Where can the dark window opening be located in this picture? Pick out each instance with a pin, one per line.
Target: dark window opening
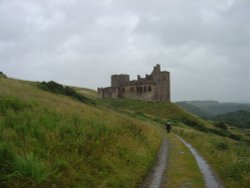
(141, 89)
(149, 88)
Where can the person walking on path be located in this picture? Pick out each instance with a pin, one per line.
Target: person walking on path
(168, 127)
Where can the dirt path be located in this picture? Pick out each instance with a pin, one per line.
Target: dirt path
(210, 179)
(156, 177)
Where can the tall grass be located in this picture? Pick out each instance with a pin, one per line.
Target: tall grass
(50, 140)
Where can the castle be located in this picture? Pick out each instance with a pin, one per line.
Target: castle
(154, 87)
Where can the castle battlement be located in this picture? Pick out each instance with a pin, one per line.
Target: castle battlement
(154, 87)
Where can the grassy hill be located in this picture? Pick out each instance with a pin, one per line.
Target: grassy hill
(52, 140)
(55, 136)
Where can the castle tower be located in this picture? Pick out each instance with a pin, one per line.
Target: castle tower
(119, 80)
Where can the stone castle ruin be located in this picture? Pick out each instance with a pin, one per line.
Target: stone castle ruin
(154, 87)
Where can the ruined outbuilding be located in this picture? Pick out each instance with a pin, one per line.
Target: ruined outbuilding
(154, 87)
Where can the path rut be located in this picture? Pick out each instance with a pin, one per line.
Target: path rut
(156, 177)
(208, 175)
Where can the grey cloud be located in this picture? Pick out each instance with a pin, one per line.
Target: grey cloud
(205, 44)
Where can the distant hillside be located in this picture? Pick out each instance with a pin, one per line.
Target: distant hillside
(210, 109)
(239, 119)
(195, 110)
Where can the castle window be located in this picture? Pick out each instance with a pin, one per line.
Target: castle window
(137, 89)
(132, 89)
(141, 89)
(123, 89)
(145, 88)
(149, 88)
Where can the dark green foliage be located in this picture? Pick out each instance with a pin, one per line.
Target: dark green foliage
(2, 75)
(195, 124)
(7, 159)
(12, 103)
(220, 125)
(65, 90)
(239, 119)
(222, 132)
(222, 146)
(29, 168)
(235, 136)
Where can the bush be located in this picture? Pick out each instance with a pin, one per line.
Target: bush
(68, 91)
(220, 125)
(222, 146)
(2, 75)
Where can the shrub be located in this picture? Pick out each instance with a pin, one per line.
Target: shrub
(68, 91)
(2, 75)
(222, 146)
(235, 137)
(220, 125)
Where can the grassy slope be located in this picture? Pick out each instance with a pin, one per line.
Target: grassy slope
(229, 158)
(69, 143)
(49, 140)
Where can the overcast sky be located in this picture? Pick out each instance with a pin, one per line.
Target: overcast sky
(204, 44)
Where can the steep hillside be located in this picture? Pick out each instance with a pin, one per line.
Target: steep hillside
(53, 140)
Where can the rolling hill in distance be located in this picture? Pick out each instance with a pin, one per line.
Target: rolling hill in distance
(235, 113)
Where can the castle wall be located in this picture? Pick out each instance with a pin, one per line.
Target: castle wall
(154, 87)
(140, 92)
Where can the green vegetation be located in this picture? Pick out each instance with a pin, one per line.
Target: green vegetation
(51, 140)
(239, 119)
(56, 136)
(180, 165)
(222, 148)
(213, 108)
(230, 159)
(68, 91)
(2, 75)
